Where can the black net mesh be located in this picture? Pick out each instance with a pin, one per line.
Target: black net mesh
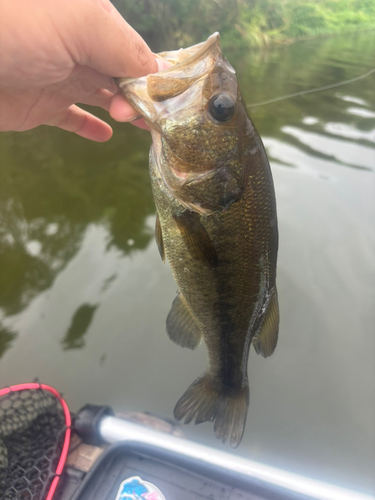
(32, 431)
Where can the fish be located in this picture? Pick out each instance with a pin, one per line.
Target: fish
(216, 225)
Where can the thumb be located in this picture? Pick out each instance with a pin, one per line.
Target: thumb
(97, 36)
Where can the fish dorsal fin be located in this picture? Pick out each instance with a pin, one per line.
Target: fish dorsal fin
(265, 341)
(196, 238)
(181, 325)
(160, 88)
(159, 238)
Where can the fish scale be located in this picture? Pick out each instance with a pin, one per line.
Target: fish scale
(216, 225)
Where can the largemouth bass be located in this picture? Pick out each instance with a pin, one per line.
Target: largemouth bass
(216, 224)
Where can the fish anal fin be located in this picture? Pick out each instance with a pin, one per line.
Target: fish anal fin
(159, 238)
(181, 325)
(196, 238)
(265, 341)
(204, 402)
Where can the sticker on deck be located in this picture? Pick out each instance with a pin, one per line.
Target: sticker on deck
(134, 488)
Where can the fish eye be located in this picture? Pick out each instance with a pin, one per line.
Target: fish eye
(222, 107)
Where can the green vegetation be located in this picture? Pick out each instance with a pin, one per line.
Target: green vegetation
(166, 24)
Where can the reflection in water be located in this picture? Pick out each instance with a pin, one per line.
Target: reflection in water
(6, 339)
(342, 152)
(361, 112)
(80, 323)
(108, 281)
(356, 100)
(76, 224)
(310, 120)
(348, 132)
(50, 193)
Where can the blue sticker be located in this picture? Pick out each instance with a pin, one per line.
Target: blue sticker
(134, 488)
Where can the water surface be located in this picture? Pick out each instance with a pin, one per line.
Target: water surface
(84, 295)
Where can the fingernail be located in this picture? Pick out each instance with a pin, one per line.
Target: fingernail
(133, 118)
(162, 63)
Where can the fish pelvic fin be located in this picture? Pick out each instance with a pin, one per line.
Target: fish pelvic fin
(181, 325)
(265, 340)
(204, 402)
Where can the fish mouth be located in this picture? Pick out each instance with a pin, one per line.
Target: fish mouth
(152, 95)
(178, 58)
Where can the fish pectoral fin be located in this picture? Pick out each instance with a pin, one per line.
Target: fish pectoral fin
(181, 325)
(196, 238)
(265, 341)
(159, 238)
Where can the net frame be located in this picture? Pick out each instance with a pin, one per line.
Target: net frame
(68, 424)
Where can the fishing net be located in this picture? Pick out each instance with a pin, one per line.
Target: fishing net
(34, 440)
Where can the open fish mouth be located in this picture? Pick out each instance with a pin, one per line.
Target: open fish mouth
(160, 95)
(180, 59)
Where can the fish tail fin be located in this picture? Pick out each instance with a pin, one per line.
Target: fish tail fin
(204, 402)
(231, 417)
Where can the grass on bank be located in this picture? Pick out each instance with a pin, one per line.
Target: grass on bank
(167, 24)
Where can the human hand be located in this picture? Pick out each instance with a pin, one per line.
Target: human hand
(57, 53)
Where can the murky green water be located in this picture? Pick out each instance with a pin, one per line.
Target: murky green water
(84, 295)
